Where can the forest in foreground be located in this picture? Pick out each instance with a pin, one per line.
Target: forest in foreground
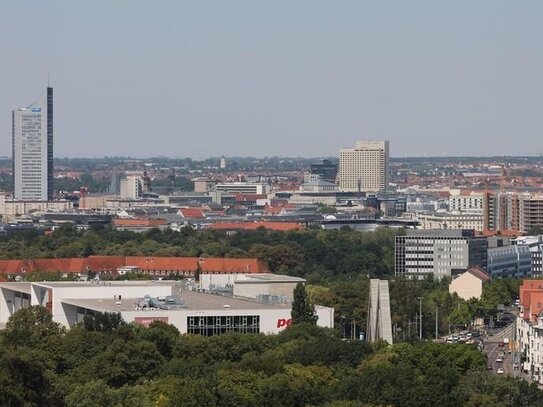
(105, 362)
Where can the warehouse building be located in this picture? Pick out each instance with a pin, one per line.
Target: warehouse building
(142, 302)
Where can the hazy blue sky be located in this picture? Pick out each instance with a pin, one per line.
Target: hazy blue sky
(205, 78)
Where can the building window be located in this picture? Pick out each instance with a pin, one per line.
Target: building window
(216, 325)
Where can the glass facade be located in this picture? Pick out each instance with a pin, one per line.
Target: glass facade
(216, 325)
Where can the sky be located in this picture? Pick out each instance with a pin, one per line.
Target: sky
(277, 78)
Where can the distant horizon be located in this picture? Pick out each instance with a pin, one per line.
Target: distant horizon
(7, 158)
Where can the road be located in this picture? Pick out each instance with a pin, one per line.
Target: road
(493, 350)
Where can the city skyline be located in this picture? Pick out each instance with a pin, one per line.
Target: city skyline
(271, 80)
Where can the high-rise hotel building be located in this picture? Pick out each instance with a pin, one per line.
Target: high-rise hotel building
(32, 138)
(364, 168)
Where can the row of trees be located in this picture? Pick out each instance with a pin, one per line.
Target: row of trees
(337, 264)
(105, 362)
(315, 254)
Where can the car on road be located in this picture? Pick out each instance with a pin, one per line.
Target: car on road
(500, 344)
(506, 341)
(500, 371)
(499, 359)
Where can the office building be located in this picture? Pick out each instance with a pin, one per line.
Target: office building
(32, 150)
(326, 170)
(513, 261)
(441, 253)
(242, 188)
(364, 168)
(535, 245)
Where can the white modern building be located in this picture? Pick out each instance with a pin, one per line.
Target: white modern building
(32, 150)
(142, 302)
(364, 168)
(243, 188)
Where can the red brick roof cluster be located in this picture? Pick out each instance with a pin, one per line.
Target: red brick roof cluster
(110, 264)
(531, 299)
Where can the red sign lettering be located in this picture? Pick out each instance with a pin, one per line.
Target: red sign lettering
(281, 323)
(146, 321)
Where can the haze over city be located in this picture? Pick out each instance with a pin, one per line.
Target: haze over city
(301, 78)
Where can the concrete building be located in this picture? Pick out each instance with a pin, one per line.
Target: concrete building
(203, 184)
(530, 208)
(131, 187)
(266, 287)
(441, 253)
(512, 211)
(11, 209)
(379, 319)
(470, 283)
(457, 220)
(142, 302)
(32, 150)
(513, 261)
(364, 168)
(243, 188)
(472, 203)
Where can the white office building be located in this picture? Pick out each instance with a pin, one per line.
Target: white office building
(32, 150)
(364, 168)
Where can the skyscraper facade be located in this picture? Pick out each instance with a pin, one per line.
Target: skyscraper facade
(364, 168)
(32, 150)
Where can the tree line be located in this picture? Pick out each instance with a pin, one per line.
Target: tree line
(106, 362)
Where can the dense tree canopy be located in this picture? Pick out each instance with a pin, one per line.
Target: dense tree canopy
(305, 366)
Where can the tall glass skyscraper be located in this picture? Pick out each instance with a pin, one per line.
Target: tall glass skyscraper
(32, 141)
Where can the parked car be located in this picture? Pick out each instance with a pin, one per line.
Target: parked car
(500, 371)
(499, 359)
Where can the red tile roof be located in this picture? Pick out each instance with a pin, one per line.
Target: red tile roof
(479, 273)
(140, 222)
(531, 298)
(147, 264)
(193, 213)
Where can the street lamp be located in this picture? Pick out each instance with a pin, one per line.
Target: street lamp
(420, 317)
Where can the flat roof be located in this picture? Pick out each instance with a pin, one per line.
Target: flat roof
(268, 277)
(101, 283)
(20, 287)
(193, 301)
